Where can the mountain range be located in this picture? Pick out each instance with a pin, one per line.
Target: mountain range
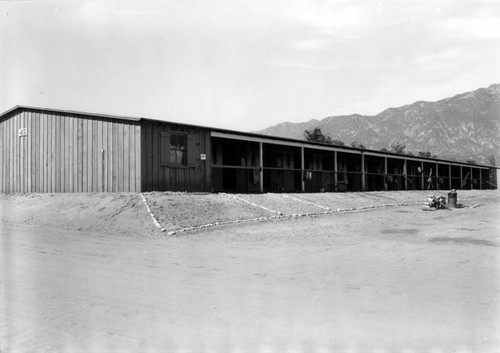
(465, 126)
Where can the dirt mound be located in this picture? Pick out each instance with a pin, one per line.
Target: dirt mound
(175, 210)
(125, 213)
(117, 213)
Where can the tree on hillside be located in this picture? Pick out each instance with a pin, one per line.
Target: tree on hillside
(424, 154)
(316, 135)
(357, 145)
(397, 147)
(492, 160)
(471, 160)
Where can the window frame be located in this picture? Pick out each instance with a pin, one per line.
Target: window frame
(183, 150)
(190, 158)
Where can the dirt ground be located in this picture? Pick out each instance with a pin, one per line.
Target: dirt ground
(91, 273)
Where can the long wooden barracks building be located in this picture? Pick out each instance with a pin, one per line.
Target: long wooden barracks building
(49, 150)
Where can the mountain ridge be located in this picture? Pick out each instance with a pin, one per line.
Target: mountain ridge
(464, 126)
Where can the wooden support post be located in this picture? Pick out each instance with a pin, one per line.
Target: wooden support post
(437, 176)
(385, 174)
(461, 179)
(405, 173)
(422, 175)
(261, 167)
(302, 167)
(449, 176)
(363, 174)
(480, 179)
(208, 163)
(335, 169)
(471, 178)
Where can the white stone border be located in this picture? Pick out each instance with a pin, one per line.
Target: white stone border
(155, 221)
(304, 201)
(251, 203)
(280, 216)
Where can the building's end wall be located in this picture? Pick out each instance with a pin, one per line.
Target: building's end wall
(68, 153)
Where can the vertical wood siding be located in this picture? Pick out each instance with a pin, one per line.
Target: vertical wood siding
(68, 153)
(195, 176)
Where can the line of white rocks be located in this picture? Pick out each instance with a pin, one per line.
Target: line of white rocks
(304, 201)
(250, 203)
(153, 217)
(281, 216)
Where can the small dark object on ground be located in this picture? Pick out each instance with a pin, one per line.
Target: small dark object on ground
(435, 203)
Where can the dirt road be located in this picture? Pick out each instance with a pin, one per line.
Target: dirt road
(393, 279)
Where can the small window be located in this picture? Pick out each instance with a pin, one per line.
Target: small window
(178, 149)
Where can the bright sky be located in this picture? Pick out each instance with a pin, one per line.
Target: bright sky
(244, 64)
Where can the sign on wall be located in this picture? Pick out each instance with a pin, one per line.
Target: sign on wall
(203, 157)
(23, 132)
